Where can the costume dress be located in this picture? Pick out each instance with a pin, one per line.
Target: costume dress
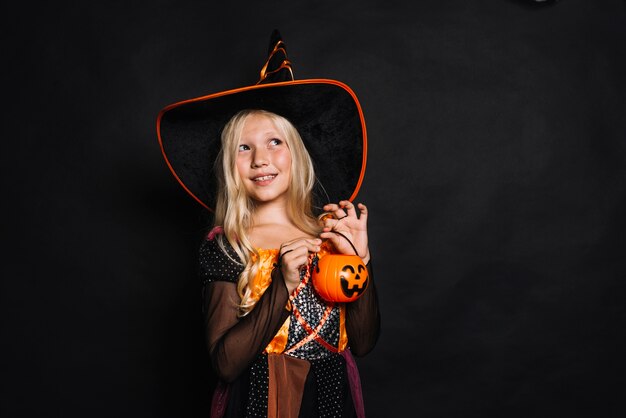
(291, 355)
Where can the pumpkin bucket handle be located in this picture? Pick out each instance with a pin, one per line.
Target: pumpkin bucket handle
(350, 242)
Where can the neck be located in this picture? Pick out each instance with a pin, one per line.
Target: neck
(271, 213)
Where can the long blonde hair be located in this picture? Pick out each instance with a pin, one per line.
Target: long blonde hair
(234, 208)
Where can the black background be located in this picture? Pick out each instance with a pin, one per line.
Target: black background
(496, 184)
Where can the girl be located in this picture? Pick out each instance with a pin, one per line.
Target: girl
(278, 348)
(256, 264)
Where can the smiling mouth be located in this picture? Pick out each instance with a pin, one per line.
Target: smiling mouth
(264, 178)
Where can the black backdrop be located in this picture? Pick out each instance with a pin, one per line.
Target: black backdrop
(496, 183)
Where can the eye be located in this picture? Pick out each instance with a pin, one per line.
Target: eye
(274, 142)
(243, 147)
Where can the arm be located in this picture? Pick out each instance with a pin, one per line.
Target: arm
(363, 319)
(235, 342)
(362, 315)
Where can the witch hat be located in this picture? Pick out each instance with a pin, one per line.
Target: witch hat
(326, 113)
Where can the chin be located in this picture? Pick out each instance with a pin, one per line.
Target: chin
(268, 197)
(265, 199)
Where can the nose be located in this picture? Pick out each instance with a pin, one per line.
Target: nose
(260, 158)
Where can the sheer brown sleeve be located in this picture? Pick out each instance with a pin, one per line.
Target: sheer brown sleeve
(235, 342)
(363, 319)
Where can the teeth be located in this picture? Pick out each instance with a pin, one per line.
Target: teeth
(264, 178)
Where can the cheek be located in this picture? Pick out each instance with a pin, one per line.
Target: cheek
(282, 160)
(242, 165)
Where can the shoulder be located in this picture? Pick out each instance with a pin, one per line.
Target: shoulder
(218, 260)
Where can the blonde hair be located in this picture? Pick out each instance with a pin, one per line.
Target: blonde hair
(234, 208)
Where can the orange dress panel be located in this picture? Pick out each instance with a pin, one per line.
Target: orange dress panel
(263, 278)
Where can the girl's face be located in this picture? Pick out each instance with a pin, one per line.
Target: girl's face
(263, 160)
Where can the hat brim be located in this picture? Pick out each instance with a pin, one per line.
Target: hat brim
(326, 113)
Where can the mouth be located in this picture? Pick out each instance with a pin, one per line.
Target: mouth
(264, 178)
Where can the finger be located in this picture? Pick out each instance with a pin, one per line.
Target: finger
(289, 243)
(340, 213)
(294, 258)
(303, 247)
(295, 261)
(325, 216)
(329, 235)
(310, 246)
(364, 211)
(336, 210)
(284, 253)
(331, 207)
(330, 223)
(298, 242)
(288, 256)
(348, 207)
(284, 249)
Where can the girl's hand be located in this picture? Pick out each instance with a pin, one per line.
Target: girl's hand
(347, 222)
(293, 256)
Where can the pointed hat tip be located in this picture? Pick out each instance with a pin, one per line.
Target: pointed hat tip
(274, 39)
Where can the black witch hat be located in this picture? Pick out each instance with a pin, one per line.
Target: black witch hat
(326, 113)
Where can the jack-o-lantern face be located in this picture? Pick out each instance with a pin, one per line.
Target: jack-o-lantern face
(340, 278)
(353, 281)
